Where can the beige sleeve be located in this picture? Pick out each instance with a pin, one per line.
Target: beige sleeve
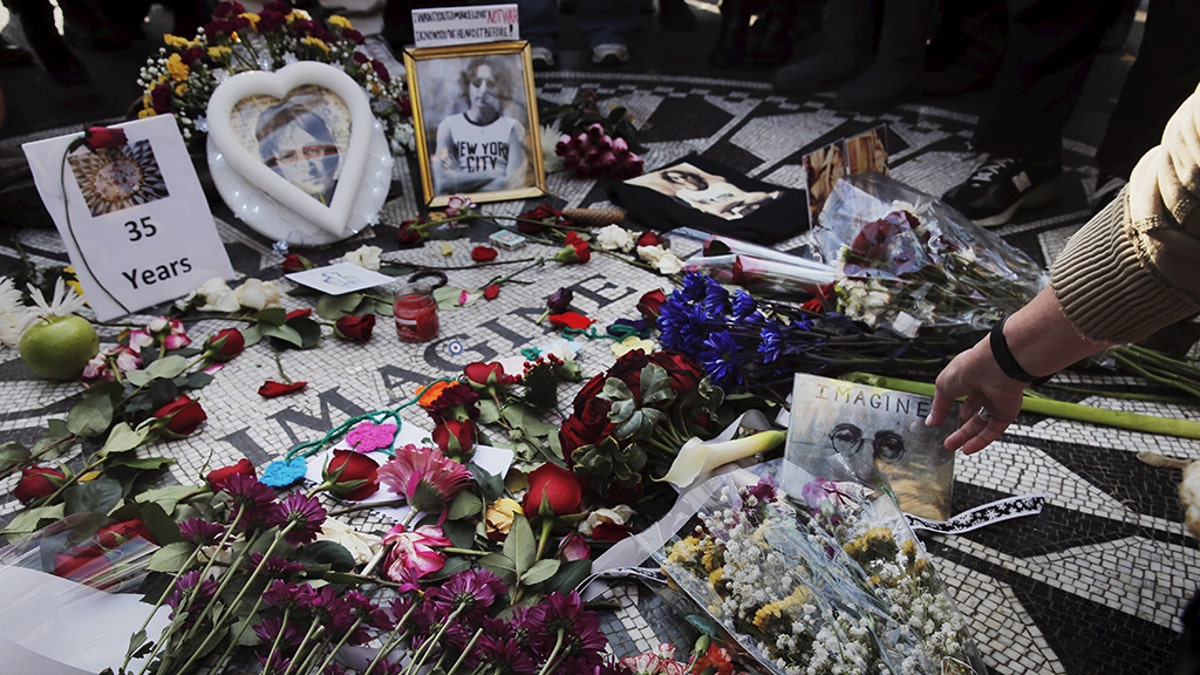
(1135, 267)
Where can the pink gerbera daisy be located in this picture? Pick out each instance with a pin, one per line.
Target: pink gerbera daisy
(424, 476)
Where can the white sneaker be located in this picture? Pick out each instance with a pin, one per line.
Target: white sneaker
(610, 54)
(542, 58)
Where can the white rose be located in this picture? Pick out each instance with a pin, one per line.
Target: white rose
(617, 515)
(369, 257)
(255, 294)
(615, 238)
(217, 295)
(663, 260)
(360, 545)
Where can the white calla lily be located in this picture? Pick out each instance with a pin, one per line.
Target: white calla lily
(696, 458)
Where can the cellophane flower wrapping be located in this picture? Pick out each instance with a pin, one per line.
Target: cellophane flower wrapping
(824, 578)
(905, 259)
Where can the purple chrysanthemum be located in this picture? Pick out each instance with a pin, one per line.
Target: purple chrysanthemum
(251, 500)
(289, 635)
(197, 593)
(559, 614)
(276, 567)
(201, 532)
(301, 516)
(505, 655)
(334, 613)
(370, 612)
(473, 590)
(274, 663)
(288, 596)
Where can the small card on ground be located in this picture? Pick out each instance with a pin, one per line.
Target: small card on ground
(340, 278)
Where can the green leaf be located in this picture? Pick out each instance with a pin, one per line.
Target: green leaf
(332, 307)
(140, 463)
(161, 526)
(122, 439)
(171, 558)
(166, 497)
(500, 565)
(541, 571)
(271, 316)
(541, 387)
(569, 575)
(520, 545)
(491, 485)
(282, 332)
(489, 412)
(454, 565)
(308, 330)
(97, 496)
(382, 308)
(447, 296)
(656, 386)
(160, 392)
(328, 553)
(466, 504)
(197, 380)
(252, 335)
(57, 428)
(460, 532)
(167, 367)
(90, 417)
(616, 390)
(32, 520)
(12, 455)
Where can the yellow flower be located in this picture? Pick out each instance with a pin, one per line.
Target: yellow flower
(219, 52)
(181, 89)
(715, 577)
(176, 41)
(298, 14)
(339, 21)
(252, 18)
(146, 112)
(499, 516)
(315, 42)
(72, 279)
(177, 68)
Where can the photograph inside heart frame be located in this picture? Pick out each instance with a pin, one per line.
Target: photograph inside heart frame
(303, 137)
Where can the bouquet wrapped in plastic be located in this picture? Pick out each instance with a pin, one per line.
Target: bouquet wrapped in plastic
(825, 577)
(907, 260)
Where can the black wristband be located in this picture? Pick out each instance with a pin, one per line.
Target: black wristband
(1005, 359)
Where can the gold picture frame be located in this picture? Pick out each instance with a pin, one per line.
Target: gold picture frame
(475, 115)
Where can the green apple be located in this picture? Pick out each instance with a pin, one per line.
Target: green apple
(58, 347)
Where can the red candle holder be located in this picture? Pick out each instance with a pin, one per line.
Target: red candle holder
(416, 313)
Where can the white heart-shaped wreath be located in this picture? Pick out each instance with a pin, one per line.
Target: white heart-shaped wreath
(365, 161)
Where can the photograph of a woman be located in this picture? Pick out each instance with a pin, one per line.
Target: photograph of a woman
(476, 121)
(706, 192)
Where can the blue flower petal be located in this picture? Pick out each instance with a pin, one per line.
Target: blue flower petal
(284, 472)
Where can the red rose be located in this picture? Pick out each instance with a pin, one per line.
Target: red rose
(355, 328)
(650, 303)
(297, 314)
(482, 375)
(408, 235)
(610, 532)
(271, 388)
(180, 418)
(37, 482)
(685, 373)
(354, 475)
(160, 98)
(491, 292)
(649, 238)
(543, 214)
(590, 390)
(226, 344)
(295, 263)
(628, 369)
(99, 138)
(455, 438)
(483, 253)
(574, 433)
(87, 561)
(217, 478)
(553, 491)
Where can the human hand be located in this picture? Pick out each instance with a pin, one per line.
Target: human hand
(991, 399)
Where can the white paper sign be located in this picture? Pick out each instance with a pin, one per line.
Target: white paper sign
(135, 220)
(340, 278)
(465, 25)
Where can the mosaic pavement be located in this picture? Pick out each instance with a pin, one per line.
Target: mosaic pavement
(1094, 583)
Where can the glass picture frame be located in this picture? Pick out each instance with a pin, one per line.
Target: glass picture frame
(475, 115)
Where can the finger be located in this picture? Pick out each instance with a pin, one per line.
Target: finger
(988, 434)
(940, 410)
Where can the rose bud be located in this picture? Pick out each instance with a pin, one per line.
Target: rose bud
(483, 253)
(180, 418)
(574, 547)
(491, 292)
(553, 491)
(296, 263)
(226, 344)
(37, 482)
(355, 328)
(650, 303)
(99, 138)
(559, 300)
(217, 478)
(649, 238)
(455, 438)
(298, 314)
(351, 475)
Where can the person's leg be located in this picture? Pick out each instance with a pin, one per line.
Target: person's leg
(967, 49)
(897, 69)
(849, 26)
(1165, 73)
(607, 25)
(771, 35)
(37, 22)
(539, 25)
(1051, 46)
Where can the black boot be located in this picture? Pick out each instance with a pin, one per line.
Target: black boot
(848, 28)
(730, 49)
(771, 45)
(896, 73)
(37, 22)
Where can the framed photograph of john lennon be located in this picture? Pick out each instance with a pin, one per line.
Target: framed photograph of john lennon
(475, 114)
